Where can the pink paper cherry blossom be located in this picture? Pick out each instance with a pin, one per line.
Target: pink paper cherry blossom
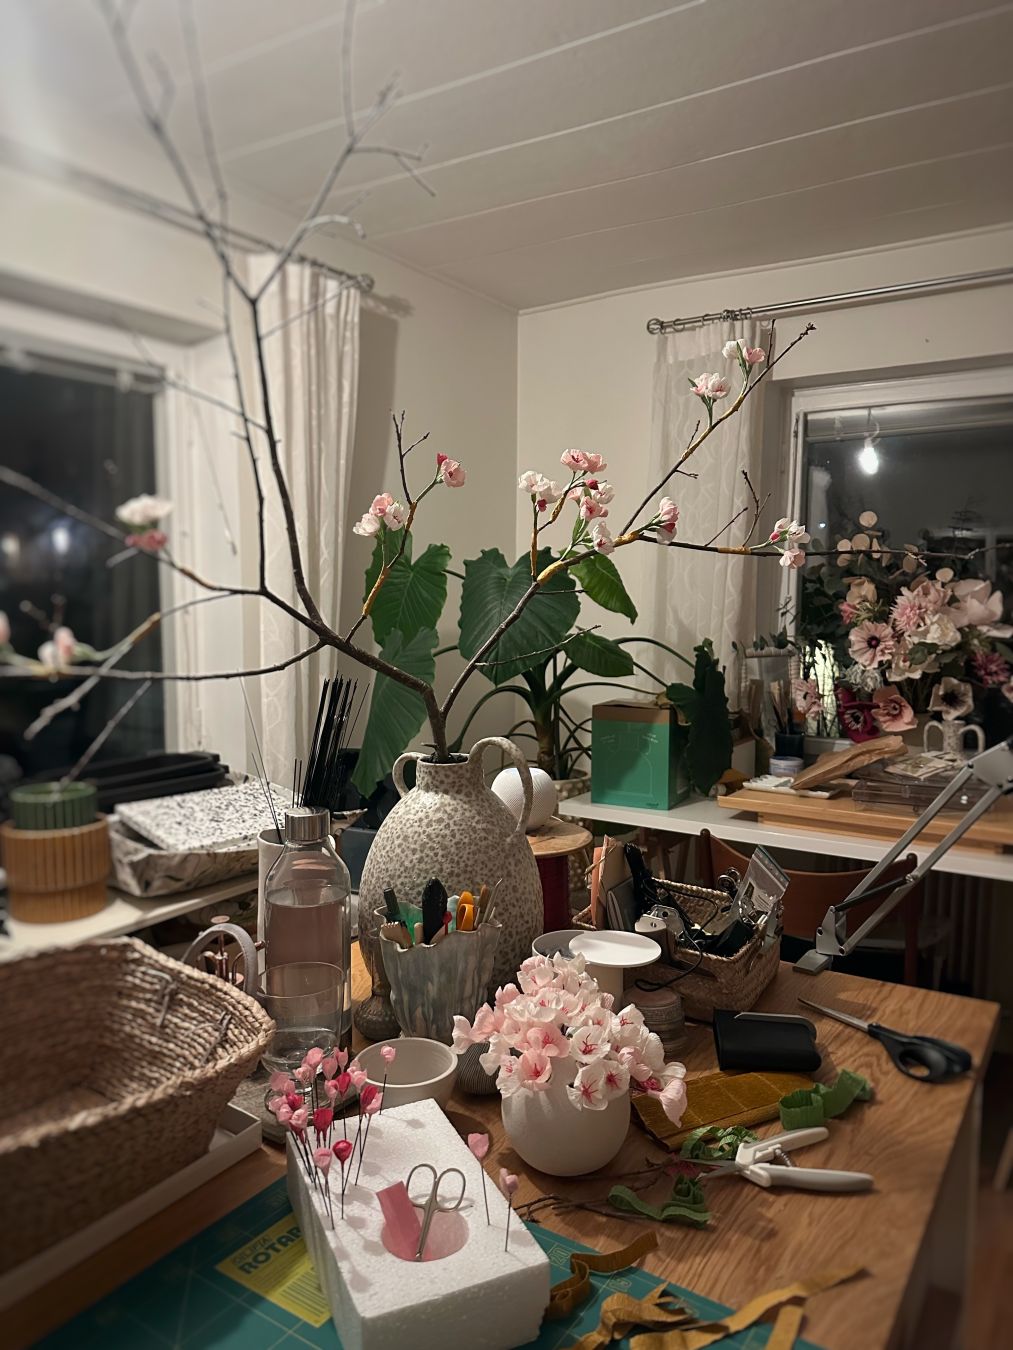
(342, 1150)
(281, 1082)
(374, 1105)
(323, 1158)
(304, 1074)
(508, 1182)
(388, 1054)
(329, 1066)
(313, 1058)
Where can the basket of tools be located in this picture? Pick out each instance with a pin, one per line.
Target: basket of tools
(118, 1062)
(706, 980)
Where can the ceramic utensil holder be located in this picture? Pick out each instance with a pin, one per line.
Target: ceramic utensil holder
(429, 983)
(56, 875)
(476, 1294)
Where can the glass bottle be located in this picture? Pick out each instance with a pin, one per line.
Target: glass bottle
(308, 906)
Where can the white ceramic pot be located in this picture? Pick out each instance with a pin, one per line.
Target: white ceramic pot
(554, 1136)
(451, 826)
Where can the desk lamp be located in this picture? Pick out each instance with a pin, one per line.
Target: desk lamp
(992, 767)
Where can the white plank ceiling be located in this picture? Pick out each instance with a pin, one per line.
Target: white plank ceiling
(578, 146)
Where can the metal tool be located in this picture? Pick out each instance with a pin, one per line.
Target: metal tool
(992, 767)
(765, 1163)
(923, 1057)
(433, 1204)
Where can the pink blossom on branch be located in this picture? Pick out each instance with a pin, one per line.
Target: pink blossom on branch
(367, 525)
(582, 461)
(737, 349)
(450, 471)
(668, 518)
(601, 537)
(792, 557)
(711, 386)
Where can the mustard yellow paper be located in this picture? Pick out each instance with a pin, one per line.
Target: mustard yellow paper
(276, 1266)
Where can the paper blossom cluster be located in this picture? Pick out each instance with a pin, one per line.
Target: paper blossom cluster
(144, 514)
(912, 638)
(556, 1020)
(386, 512)
(305, 1104)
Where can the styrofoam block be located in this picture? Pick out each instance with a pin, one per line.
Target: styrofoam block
(480, 1296)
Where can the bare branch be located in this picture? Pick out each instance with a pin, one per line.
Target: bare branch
(169, 676)
(104, 734)
(544, 651)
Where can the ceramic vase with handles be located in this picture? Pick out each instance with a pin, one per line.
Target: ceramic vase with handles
(451, 826)
(556, 1137)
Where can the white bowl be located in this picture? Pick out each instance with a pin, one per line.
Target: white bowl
(421, 1069)
(559, 941)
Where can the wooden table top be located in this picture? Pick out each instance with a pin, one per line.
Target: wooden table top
(757, 1240)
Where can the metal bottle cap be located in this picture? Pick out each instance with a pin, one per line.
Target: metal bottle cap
(307, 825)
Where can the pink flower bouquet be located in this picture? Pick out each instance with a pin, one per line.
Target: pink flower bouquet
(555, 1020)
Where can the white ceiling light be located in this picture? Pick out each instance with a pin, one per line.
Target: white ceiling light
(868, 458)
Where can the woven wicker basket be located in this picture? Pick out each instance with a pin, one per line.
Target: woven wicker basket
(118, 1063)
(733, 982)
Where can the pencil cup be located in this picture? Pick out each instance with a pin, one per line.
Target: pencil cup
(431, 984)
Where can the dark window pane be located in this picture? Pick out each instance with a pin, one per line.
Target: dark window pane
(93, 444)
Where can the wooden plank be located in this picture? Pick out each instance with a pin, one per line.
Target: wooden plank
(757, 1240)
(842, 815)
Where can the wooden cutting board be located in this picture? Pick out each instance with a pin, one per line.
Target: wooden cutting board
(993, 833)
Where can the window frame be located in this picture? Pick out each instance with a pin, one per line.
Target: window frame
(993, 382)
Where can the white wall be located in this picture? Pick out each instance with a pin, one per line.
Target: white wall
(446, 356)
(585, 369)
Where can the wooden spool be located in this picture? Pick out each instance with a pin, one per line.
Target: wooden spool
(56, 875)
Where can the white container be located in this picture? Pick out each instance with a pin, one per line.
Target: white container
(554, 1136)
(477, 1295)
(422, 1069)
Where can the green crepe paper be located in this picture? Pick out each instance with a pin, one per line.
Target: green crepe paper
(813, 1106)
(711, 1144)
(686, 1204)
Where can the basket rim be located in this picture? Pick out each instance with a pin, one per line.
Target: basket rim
(33, 1135)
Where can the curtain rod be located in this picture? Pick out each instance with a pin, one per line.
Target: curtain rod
(907, 288)
(58, 171)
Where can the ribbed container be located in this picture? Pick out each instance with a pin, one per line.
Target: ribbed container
(56, 875)
(50, 806)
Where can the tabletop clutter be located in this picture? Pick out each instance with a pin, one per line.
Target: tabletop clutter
(402, 1214)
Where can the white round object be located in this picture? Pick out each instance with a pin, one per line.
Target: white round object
(610, 952)
(421, 1069)
(544, 797)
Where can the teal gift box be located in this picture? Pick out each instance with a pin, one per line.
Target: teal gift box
(637, 755)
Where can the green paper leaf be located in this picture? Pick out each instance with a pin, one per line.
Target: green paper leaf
(395, 712)
(599, 656)
(491, 590)
(413, 596)
(599, 577)
(686, 1204)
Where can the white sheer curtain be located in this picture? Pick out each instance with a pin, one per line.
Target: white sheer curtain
(311, 327)
(701, 595)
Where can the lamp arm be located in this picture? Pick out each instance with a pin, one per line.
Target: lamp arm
(994, 767)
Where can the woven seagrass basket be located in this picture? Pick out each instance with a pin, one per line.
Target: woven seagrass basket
(708, 982)
(117, 1063)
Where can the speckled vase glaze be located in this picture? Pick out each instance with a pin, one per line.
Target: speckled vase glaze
(451, 826)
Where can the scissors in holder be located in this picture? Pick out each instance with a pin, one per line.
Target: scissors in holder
(926, 1058)
(433, 1204)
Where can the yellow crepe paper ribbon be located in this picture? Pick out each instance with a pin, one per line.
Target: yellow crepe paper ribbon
(671, 1327)
(571, 1292)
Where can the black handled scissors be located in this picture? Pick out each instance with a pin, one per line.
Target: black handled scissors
(924, 1057)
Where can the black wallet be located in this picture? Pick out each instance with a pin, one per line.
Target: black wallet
(757, 1041)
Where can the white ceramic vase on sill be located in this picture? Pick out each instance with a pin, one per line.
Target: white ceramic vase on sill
(554, 1136)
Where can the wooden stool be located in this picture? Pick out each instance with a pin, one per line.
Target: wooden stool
(552, 846)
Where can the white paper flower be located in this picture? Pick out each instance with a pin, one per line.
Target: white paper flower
(143, 512)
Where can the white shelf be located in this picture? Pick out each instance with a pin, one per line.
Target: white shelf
(123, 914)
(740, 828)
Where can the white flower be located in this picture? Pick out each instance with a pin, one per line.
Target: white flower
(952, 698)
(589, 1043)
(940, 631)
(616, 1078)
(601, 536)
(589, 1091)
(979, 606)
(143, 512)
(733, 349)
(527, 481)
(367, 525)
(60, 650)
(395, 516)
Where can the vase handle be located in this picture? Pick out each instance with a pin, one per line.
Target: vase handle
(397, 772)
(520, 764)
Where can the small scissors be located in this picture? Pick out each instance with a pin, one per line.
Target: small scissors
(923, 1057)
(433, 1204)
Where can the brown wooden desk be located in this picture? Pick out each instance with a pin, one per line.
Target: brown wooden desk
(913, 1234)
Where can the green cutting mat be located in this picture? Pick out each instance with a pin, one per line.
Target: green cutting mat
(184, 1301)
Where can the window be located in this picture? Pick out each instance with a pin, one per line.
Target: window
(937, 474)
(86, 433)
